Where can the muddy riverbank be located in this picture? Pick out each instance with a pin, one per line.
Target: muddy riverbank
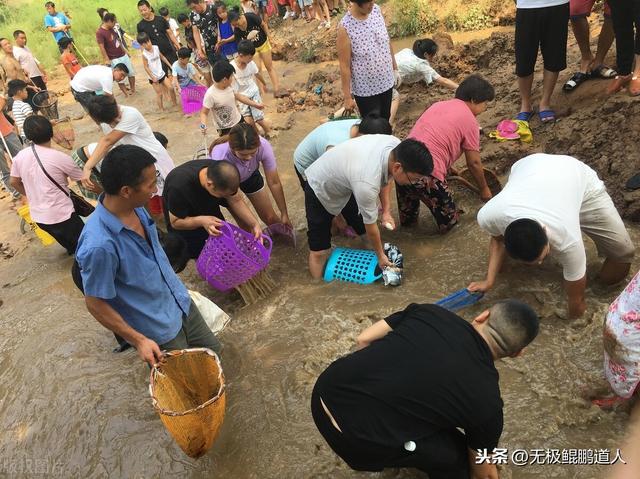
(67, 401)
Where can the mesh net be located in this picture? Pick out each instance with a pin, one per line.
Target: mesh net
(188, 392)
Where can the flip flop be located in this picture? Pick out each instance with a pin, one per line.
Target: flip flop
(547, 116)
(524, 115)
(633, 183)
(603, 71)
(575, 81)
(459, 300)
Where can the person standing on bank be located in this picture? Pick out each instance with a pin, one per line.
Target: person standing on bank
(129, 284)
(50, 206)
(204, 20)
(417, 378)
(160, 34)
(28, 62)
(538, 213)
(56, 22)
(113, 50)
(544, 25)
(368, 69)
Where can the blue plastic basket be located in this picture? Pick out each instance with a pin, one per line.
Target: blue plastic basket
(352, 265)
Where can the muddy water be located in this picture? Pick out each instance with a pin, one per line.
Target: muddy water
(71, 408)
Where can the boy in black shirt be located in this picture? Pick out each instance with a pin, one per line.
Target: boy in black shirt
(420, 374)
(160, 34)
(192, 196)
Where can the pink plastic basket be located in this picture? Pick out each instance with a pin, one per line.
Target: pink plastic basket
(192, 97)
(232, 258)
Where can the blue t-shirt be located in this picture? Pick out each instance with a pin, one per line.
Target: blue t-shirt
(55, 21)
(132, 274)
(226, 31)
(316, 143)
(184, 75)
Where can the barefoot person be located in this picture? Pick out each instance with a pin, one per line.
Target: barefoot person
(348, 179)
(248, 151)
(129, 284)
(193, 195)
(544, 25)
(420, 376)
(448, 128)
(590, 66)
(549, 201)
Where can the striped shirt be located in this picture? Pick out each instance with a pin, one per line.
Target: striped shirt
(21, 111)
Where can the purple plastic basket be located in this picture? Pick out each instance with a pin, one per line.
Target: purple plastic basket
(192, 97)
(232, 258)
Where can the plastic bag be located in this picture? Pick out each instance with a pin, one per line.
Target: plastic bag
(215, 318)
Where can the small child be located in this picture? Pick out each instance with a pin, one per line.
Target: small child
(227, 38)
(413, 67)
(68, 57)
(152, 60)
(173, 25)
(17, 89)
(184, 73)
(201, 64)
(221, 98)
(245, 83)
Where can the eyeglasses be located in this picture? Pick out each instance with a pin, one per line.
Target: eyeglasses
(417, 182)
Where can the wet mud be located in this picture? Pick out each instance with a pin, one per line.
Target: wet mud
(83, 411)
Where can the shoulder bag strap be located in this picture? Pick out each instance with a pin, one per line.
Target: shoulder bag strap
(33, 148)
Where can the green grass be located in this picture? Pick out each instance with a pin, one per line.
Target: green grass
(28, 15)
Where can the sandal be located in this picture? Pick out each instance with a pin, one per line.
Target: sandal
(575, 81)
(603, 71)
(524, 116)
(547, 116)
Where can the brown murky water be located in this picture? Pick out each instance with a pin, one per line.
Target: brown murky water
(71, 408)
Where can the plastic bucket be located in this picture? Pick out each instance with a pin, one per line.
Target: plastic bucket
(352, 265)
(192, 97)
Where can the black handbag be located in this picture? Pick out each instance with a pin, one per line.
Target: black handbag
(80, 205)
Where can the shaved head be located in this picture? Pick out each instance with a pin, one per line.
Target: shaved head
(224, 175)
(511, 326)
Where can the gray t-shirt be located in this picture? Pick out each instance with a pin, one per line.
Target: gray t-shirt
(359, 167)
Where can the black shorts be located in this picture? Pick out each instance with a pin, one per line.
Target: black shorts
(544, 28)
(319, 220)
(171, 57)
(225, 131)
(151, 82)
(253, 184)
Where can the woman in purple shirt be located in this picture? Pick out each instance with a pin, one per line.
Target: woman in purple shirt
(368, 68)
(246, 149)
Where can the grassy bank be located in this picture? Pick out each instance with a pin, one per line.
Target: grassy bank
(28, 15)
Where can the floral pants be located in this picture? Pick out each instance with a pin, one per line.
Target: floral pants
(435, 195)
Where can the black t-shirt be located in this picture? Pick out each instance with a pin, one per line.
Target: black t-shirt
(184, 196)
(207, 23)
(254, 22)
(157, 31)
(432, 372)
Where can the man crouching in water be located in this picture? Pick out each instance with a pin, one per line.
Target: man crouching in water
(421, 375)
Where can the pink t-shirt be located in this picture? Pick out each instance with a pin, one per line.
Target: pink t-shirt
(47, 204)
(448, 128)
(264, 155)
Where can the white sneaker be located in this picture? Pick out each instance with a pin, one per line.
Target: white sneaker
(286, 15)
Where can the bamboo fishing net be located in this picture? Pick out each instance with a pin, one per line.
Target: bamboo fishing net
(63, 133)
(188, 392)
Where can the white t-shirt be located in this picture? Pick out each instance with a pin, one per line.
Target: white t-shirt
(549, 189)
(139, 133)
(244, 80)
(413, 69)
(360, 167)
(154, 61)
(175, 28)
(27, 61)
(539, 3)
(95, 78)
(222, 104)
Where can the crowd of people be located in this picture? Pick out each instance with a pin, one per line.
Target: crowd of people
(368, 405)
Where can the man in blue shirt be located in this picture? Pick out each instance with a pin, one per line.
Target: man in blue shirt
(56, 22)
(129, 285)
